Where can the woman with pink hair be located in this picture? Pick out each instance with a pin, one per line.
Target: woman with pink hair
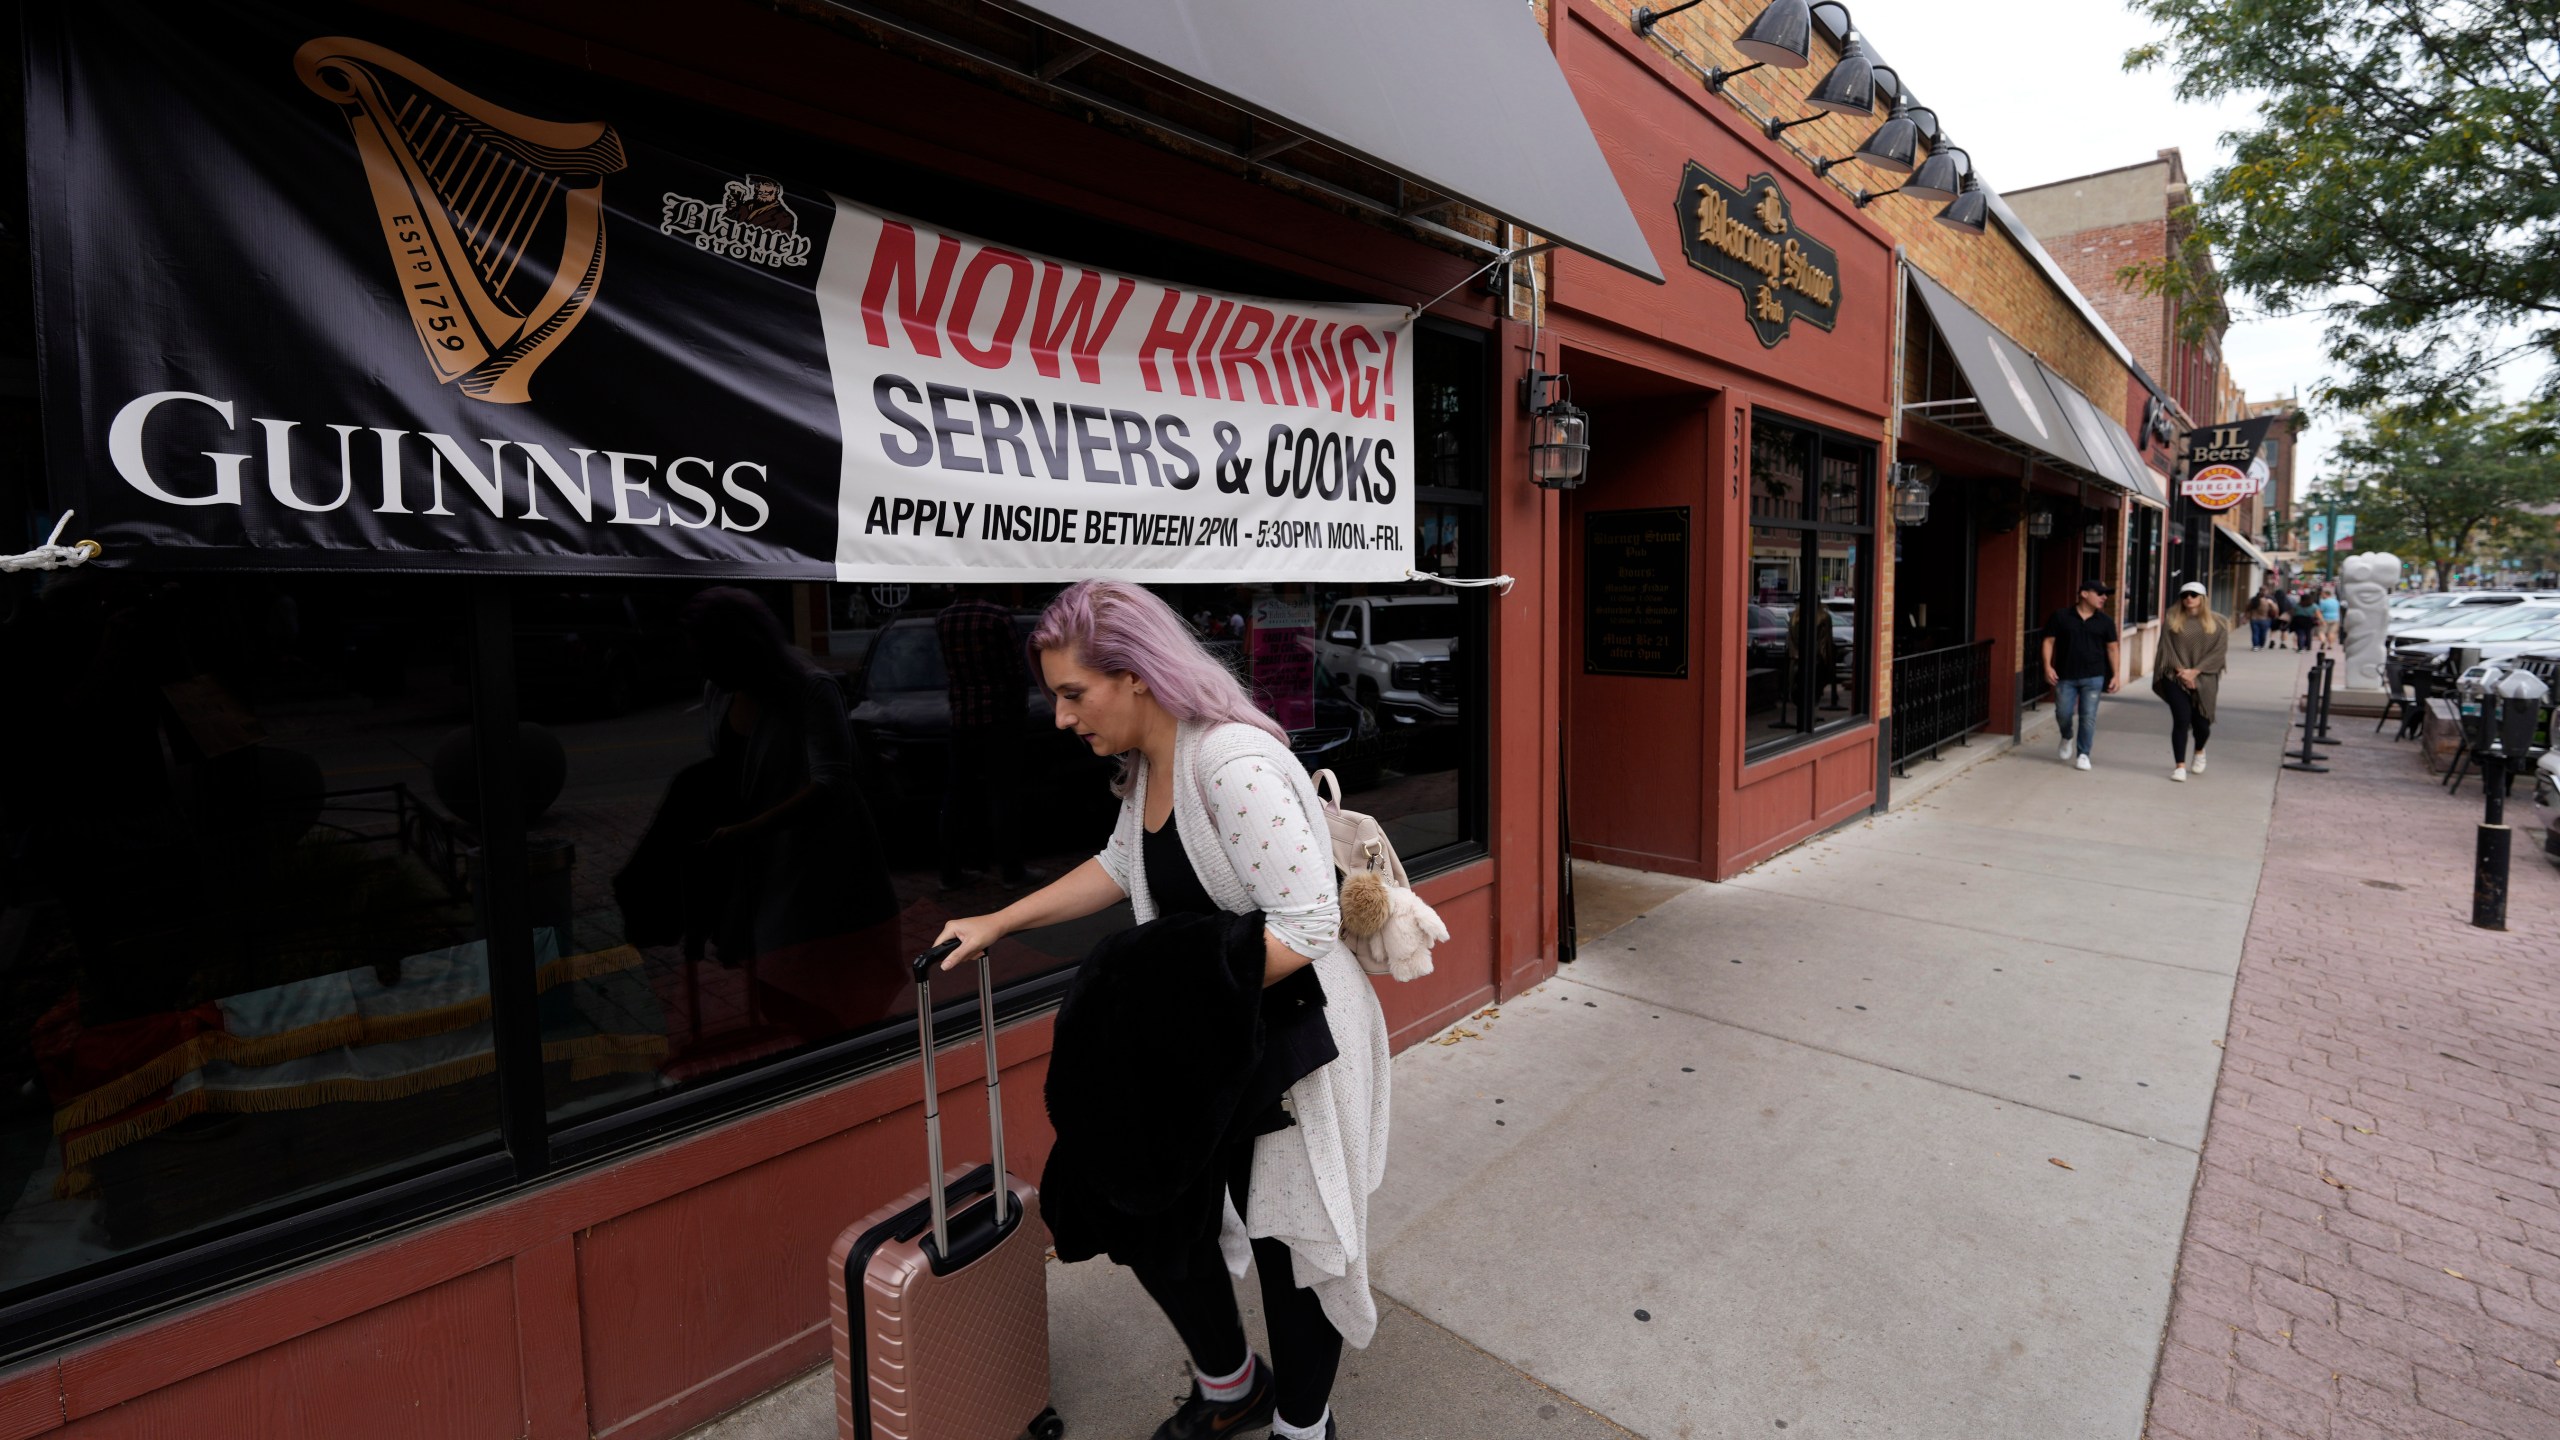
(1217, 816)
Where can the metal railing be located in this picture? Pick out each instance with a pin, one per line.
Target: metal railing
(1939, 698)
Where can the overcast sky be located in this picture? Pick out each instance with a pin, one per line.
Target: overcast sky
(2038, 92)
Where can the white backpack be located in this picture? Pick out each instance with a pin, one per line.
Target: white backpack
(1400, 944)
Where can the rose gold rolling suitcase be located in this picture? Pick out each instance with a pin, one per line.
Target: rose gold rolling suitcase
(940, 1301)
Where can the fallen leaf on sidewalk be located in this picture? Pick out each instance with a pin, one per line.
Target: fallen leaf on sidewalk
(1456, 1035)
(2328, 1179)
(2456, 1274)
(1490, 1012)
(2065, 1164)
(2361, 1130)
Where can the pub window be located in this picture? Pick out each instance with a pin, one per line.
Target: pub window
(2142, 567)
(1805, 606)
(238, 911)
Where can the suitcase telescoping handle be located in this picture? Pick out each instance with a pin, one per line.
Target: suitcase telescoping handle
(924, 968)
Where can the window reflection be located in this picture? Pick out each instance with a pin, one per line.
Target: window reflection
(236, 905)
(1781, 462)
(1805, 604)
(1774, 593)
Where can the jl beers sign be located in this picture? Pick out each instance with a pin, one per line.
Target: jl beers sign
(1747, 238)
(2217, 463)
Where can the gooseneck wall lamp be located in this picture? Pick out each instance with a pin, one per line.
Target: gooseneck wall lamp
(1895, 144)
(1939, 178)
(1781, 37)
(1850, 89)
(2040, 523)
(1559, 431)
(1971, 210)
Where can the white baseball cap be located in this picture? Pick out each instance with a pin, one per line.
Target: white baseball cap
(2192, 587)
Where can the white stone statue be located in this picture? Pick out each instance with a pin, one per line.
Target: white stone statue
(2364, 613)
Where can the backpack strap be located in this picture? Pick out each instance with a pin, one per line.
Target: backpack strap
(1326, 779)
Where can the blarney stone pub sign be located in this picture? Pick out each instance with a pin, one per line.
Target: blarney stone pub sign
(1747, 238)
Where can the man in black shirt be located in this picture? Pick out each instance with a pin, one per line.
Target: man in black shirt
(2081, 657)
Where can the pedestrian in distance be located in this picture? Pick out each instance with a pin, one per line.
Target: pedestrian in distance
(2262, 612)
(2328, 617)
(2082, 656)
(2305, 618)
(1219, 819)
(2187, 673)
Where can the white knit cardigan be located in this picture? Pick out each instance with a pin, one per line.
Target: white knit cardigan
(1311, 1183)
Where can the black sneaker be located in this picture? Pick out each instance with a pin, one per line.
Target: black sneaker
(1201, 1418)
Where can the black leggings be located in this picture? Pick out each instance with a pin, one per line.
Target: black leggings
(1201, 1303)
(2183, 715)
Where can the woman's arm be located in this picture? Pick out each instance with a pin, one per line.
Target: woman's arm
(1269, 838)
(1080, 892)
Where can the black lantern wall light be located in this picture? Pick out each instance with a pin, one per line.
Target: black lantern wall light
(1781, 37)
(1559, 431)
(1912, 485)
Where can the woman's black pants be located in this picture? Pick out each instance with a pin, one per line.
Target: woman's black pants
(1201, 1303)
(2184, 714)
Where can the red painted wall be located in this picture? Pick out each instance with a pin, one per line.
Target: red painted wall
(1637, 780)
(1691, 334)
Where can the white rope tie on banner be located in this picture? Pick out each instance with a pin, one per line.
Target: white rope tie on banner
(1501, 583)
(52, 555)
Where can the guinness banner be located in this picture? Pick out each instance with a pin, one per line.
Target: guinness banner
(327, 293)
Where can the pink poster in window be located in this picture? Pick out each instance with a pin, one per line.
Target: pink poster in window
(1284, 661)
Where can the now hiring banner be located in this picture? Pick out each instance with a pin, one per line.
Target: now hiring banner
(320, 291)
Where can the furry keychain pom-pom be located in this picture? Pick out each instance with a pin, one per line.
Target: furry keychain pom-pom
(1364, 904)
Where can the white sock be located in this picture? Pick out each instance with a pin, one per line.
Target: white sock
(1229, 1389)
(1283, 1430)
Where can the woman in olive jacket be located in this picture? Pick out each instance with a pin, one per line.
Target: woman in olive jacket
(2187, 672)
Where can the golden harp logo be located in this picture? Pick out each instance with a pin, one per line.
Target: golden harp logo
(494, 220)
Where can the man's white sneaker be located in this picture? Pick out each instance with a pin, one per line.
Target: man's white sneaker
(2198, 765)
(2179, 774)
(2065, 752)
(2080, 764)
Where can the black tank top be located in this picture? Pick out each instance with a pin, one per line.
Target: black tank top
(1296, 1040)
(1170, 878)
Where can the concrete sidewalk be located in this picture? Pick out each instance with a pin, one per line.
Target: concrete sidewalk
(1892, 1136)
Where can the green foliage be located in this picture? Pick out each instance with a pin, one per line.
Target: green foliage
(2402, 178)
(2435, 485)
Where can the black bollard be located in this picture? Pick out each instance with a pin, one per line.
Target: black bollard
(2328, 677)
(2489, 855)
(2309, 759)
(2507, 725)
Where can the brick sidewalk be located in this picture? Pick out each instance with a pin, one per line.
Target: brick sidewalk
(2374, 1248)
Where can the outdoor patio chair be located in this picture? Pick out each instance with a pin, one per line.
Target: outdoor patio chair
(2395, 678)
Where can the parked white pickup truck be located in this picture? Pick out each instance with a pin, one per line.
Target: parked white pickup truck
(1393, 650)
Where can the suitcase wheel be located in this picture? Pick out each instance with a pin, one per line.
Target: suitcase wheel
(1046, 1426)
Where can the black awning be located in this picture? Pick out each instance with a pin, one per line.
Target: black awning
(2104, 440)
(2018, 404)
(1461, 96)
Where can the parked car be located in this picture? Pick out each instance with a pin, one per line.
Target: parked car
(1394, 651)
(901, 714)
(2529, 636)
(2468, 621)
(2416, 611)
(1344, 738)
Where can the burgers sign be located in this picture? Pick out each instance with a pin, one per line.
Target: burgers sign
(2219, 487)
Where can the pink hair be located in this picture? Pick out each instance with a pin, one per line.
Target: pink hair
(1120, 628)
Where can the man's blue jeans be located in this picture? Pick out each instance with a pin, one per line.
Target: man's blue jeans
(2257, 634)
(2075, 707)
